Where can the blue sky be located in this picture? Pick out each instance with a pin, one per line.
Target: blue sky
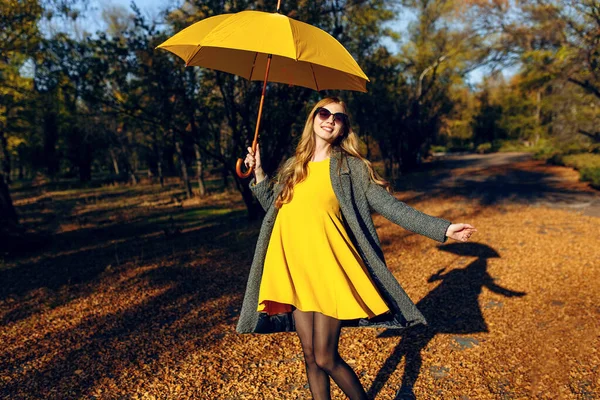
(149, 8)
(144, 5)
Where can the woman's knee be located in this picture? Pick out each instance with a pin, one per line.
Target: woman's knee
(309, 355)
(326, 360)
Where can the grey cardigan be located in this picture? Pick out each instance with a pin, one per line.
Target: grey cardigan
(357, 195)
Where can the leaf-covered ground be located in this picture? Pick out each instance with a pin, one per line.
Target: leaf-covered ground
(136, 295)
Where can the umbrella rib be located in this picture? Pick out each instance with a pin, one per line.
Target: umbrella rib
(294, 38)
(193, 55)
(253, 65)
(314, 76)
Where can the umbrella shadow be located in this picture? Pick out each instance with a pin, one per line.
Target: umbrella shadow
(452, 307)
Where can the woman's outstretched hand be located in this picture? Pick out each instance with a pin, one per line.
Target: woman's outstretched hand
(460, 232)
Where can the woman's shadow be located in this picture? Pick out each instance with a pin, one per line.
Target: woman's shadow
(452, 307)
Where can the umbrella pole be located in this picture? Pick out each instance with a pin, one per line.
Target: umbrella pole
(238, 165)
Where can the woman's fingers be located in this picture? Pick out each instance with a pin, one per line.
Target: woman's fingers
(250, 161)
(257, 153)
(463, 232)
(253, 157)
(467, 234)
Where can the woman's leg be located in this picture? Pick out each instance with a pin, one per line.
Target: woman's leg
(325, 341)
(318, 380)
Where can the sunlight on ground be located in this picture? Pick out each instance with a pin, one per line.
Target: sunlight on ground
(138, 294)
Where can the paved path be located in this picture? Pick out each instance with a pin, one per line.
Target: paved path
(502, 178)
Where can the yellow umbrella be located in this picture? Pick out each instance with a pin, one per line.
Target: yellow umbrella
(269, 46)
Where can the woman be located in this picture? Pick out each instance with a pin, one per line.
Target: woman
(318, 263)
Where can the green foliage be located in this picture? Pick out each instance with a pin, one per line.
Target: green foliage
(413, 97)
(556, 159)
(592, 175)
(484, 148)
(111, 105)
(19, 33)
(544, 150)
(561, 43)
(582, 161)
(487, 123)
(588, 164)
(557, 91)
(515, 146)
(507, 114)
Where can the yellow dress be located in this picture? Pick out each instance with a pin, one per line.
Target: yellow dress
(311, 263)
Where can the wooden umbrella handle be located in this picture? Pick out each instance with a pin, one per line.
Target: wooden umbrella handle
(238, 165)
(240, 162)
(238, 169)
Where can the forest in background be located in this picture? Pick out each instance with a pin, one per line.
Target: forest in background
(95, 108)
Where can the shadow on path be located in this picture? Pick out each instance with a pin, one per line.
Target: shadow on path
(192, 273)
(452, 307)
(72, 263)
(103, 348)
(499, 178)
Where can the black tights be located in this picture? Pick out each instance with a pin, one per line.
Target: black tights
(319, 335)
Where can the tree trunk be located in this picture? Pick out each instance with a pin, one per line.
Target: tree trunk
(538, 117)
(199, 171)
(168, 158)
(225, 177)
(255, 210)
(160, 174)
(50, 138)
(129, 169)
(132, 177)
(409, 158)
(8, 215)
(130, 159)
(85, 163)
(5, 156)
(129, 166)
(184, 174)
(158, 155)
(388, 168)
(115, 161)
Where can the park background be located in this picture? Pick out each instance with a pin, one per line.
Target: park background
(126, 237)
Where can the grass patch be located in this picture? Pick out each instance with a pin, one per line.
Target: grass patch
(582, 161)
(591, 175)
(512, 146)
(588, 165)
(192, 215)
(195, 215)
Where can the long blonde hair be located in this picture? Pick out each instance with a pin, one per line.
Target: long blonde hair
(295, 169)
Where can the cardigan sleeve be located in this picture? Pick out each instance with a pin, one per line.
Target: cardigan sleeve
(266, 190)
(400, 213)
(263, 191)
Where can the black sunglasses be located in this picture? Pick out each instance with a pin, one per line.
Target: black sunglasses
(338, 118)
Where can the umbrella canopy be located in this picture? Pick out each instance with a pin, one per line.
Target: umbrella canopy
(240, 43)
